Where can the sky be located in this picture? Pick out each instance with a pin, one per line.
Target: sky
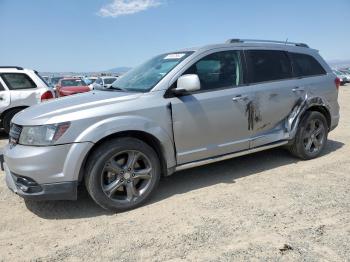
(97, 35)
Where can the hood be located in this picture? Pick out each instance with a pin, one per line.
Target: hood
(73, 107)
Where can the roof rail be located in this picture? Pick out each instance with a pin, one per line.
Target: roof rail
(16, 67)
(236, 40)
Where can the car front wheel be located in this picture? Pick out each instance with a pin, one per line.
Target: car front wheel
(122, 174)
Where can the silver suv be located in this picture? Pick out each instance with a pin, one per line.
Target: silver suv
(176, 111)
(20, 88)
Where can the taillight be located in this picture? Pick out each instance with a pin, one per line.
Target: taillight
(337, 82)
(46, 96)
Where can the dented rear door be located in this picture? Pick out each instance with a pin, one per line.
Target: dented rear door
(276, 93)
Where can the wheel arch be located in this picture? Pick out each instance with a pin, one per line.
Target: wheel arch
(324, 111)
(146, 137)
(303, 105)
(10, 109)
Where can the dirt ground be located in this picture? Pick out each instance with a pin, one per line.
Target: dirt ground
(266, 206)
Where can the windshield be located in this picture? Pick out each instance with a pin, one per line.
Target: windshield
(89, 81)
(55, 80)
(144, 77)
(73, 82)
(109, 81)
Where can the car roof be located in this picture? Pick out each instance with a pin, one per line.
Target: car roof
(14, 69)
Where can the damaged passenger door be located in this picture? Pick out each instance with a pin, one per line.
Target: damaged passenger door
(212, 121)
(275, 95)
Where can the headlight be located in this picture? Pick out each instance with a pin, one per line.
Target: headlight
(42, 135)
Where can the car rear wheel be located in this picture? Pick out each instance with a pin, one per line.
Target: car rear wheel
(311, 137)
(122, 174)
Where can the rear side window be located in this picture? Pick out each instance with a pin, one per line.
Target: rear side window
(219, 70)
(17, 81)
(268, 65)
(306, 65)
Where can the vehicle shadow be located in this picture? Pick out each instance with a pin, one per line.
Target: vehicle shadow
(180, 183)
(3, 135)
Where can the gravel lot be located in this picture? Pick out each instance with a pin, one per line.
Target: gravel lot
(266, 206)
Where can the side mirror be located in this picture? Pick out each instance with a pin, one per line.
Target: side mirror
(187, 84)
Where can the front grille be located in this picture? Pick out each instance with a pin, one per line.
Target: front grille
(15, 133)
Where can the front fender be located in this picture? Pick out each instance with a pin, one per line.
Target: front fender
(110, 126)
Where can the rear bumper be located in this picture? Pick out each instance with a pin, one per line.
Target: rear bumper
(29, 189)
(335, 122)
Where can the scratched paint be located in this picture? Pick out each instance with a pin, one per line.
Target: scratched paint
(292, 120)
(253, 113)
(301, 106)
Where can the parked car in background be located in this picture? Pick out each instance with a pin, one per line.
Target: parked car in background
(176, 111)
(341, 76)
(104, 82)
(47, 79)
(71, 86)
(20, 88)
(90, 81)
(346, 73)
(54, 81)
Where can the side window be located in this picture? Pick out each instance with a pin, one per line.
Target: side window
(306, 65)
(99, 81)
(17, 81)
(218, 70)
(268, 65)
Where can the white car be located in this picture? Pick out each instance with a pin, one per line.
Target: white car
(90, 81)
(20, 88)
(104, 82)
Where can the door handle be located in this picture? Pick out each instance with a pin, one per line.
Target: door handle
(298, 89)
(239, 98)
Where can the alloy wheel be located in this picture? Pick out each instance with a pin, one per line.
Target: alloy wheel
(126, 176)
(314, 136)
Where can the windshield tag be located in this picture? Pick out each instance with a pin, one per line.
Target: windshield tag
(174, 56)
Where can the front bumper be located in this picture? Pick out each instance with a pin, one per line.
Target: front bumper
(45, 173)
(29, 189)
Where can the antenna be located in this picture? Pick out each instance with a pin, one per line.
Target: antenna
(286, 41)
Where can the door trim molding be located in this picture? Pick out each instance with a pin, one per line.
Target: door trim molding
(229, 156)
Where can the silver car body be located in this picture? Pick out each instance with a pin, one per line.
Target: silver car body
(190, 130)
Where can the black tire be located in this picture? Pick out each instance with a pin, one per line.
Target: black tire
(105, 164)
(309, 142)
(6, 121)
